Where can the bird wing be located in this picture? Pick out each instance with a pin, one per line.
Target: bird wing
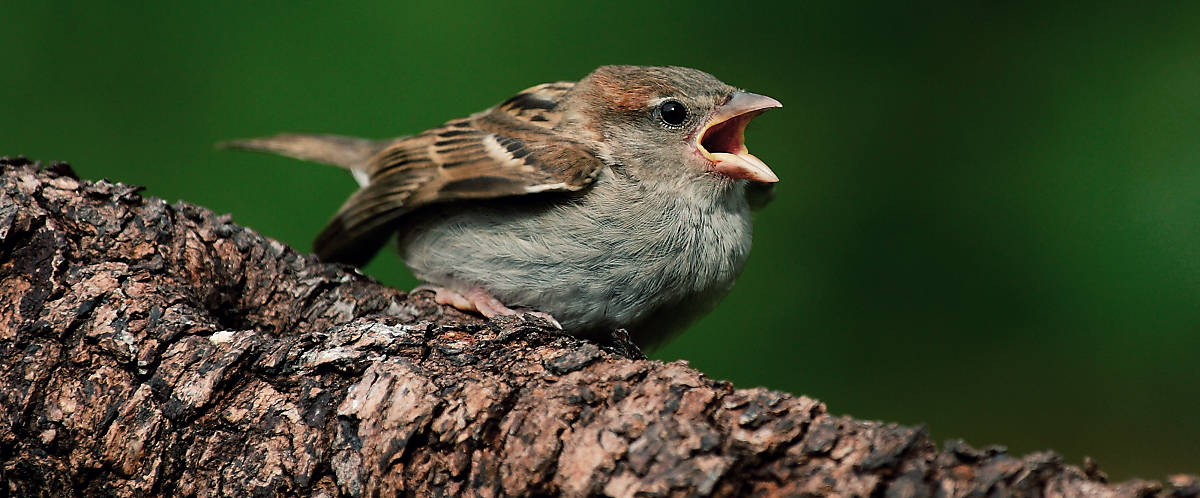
(510, 149)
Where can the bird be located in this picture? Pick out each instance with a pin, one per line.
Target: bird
(621, 200)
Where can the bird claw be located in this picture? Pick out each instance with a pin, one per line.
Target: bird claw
(479, 301)
(547, 317)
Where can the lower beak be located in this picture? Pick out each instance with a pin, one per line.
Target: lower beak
(722, 140)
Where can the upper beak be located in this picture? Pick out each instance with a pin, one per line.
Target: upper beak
(722, 140)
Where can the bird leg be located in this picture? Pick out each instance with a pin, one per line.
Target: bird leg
(478, 300)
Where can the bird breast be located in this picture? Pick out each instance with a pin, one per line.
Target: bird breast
(622, 254)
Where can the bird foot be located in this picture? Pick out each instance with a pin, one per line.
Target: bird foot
(478, 300)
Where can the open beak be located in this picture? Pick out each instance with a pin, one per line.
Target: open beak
(723, 142)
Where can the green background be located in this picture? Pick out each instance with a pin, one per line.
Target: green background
(989, 218)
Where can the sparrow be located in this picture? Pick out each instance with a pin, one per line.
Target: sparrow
(622, 200)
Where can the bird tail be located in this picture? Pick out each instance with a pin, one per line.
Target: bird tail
(349, 153)
(341, 241)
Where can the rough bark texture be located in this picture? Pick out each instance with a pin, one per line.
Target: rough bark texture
(150, 348)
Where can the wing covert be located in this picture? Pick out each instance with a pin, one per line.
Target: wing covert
(510, 149)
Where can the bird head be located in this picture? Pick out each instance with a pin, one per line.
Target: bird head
(655, 120)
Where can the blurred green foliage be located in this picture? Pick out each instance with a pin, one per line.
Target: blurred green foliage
(988, 219)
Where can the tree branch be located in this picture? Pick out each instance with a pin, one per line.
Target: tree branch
(158, 349)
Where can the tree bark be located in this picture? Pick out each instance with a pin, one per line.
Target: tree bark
(154, 348)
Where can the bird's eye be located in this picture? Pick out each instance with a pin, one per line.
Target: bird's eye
(672, 112)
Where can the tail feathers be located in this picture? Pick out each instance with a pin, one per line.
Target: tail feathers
(346, 239)
(347, 152)
(354, 246)
(363, 225)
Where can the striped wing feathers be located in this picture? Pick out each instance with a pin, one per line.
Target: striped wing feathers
(511, 149)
